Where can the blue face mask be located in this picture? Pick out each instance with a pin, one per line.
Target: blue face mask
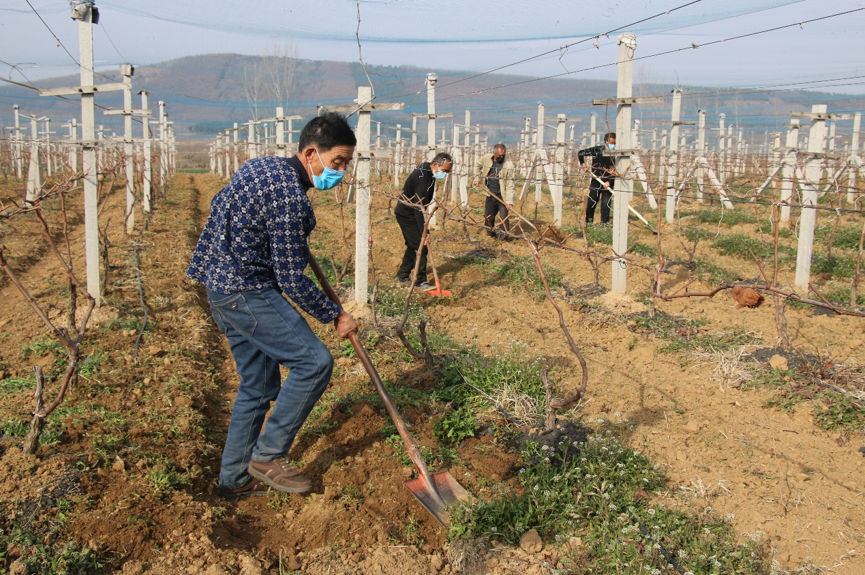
(440, 175)
(611, 147)
(328, 179)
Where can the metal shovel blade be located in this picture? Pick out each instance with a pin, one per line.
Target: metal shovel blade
(438, 291)
(448, 489)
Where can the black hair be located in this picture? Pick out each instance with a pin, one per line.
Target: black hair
(441, 158)
(609, 136)
(500, 145)
(325, 132)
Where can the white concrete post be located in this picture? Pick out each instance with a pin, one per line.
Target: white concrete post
(49, 156)
(88, 137)
(291, 150)
(722, 137)
(250, 142)
(559, 170)
(397, 156)
(217, 154)
(808, 217)
(623, 185)
(146, 142)
(128, 149)
(430, 82)
(163, 155)
(280, 132)
(235, 148)
(594, 129)
(854, 155)
(701, 150)
(673, 161)
(789, 168)
(361, 253)
(34, 171)
(71, 153)
(539, 152)
(19, 160)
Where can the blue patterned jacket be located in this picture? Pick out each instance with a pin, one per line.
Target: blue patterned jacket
(256, 236)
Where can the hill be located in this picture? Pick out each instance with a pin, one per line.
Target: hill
(210, 92)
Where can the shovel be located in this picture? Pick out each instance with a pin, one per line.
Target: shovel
(438, 291)
(630, 208)
(437, 491)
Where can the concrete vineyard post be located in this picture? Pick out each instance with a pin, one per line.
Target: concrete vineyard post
(808, 217)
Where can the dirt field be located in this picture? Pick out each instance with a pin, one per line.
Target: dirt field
(128, 475)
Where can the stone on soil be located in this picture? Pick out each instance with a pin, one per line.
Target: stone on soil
(531, 542)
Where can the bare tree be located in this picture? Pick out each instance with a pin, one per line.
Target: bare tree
(279, 63)
(253, 85)
(267, 79)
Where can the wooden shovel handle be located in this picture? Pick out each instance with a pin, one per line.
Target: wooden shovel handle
(411, 445)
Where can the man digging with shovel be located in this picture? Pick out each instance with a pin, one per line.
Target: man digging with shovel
(252, 250)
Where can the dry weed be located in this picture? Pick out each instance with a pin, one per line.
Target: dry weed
(524, 410)
(465, 556)
(729, 367)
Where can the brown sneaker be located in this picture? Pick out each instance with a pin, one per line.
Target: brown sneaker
(255, 487)
(280, 474)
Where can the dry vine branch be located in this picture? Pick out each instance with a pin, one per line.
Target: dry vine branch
(425, 353)
(71, 342)
(374, 280)
(31, 442)
(551, 402)
(854, 285)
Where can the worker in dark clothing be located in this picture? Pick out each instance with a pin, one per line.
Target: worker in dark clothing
(499, 174)
(603, 170)
(419, 189)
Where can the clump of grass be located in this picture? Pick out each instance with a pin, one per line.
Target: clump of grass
(521, 272)
(594, 234)
(697, 234)
(836, 412)
(843, 266)
(740, 245)
(489, 374)
(728, 218)
(390, 302)
(15, 384)
(643, 250)
(37, 556)
(13, 428)
(726, 340)
(38, 348)
(91, 364)
(715, 273)
(455, 426)
(845, 237)
(666, 326)
(597, 491)
(832, 411)
(839, 293)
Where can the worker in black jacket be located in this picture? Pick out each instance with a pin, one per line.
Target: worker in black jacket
(604, 176)
(419, 189)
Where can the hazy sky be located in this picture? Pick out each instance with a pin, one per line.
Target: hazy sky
(462, 35)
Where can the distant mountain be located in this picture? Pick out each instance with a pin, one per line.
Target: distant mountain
(208, 93)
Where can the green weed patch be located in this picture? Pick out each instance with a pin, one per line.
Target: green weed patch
(600, 491)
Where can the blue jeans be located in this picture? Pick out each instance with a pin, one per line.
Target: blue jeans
(265, 331)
